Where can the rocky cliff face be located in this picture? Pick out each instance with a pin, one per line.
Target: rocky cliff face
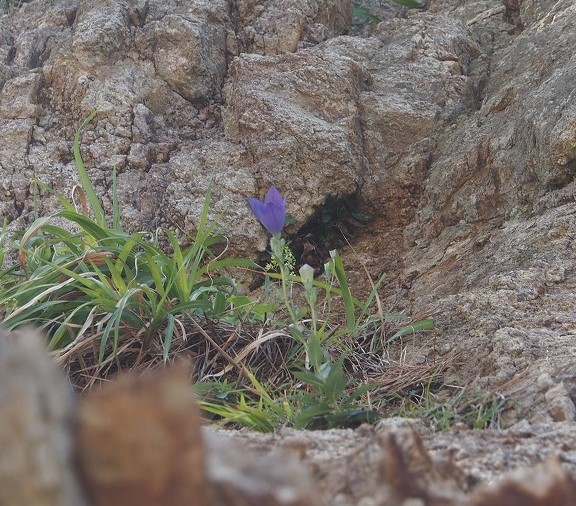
(456, 126)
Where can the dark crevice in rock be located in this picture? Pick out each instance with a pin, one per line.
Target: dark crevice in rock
(39, 53)
(332, 226)
(11, 55)
(71, 15)
(480, 86)
(564, 178)
(235, 19)
(512, 15)
(18, 211)
(138, 15)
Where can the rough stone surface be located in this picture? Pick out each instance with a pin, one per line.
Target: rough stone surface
(138, 442)
(456, 124)
(237, 476)
(392, 465)
(282, 26)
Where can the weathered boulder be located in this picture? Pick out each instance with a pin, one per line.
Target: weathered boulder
(154, 72)
(283, 26)
(139, 442)
(297, 115)
(494, 226)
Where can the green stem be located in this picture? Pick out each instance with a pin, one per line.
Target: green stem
(277, 245)
(313, 316)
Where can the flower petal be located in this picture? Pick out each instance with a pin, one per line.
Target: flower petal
(274, 218)
(274, 196)
(258, 208)
(272, 212)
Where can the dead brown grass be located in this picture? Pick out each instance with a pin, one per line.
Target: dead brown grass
(219, 351)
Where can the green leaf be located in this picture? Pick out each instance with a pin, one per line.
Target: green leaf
(218, 265)
(425, 324)
(371, 297)
(411, 4)
(89, 227)
(168, 336)
(364, 14)
(84, 178)
(309, 414)
(361, 390)
(220, 303)
(116, 319)
(63, 200)
(345, 292)
(316, 353)
(65, 326)
(116, 275)
(308, 378)
(335, 384)
(181, 278)
(156, 274)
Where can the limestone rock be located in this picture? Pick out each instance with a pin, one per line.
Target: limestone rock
(282, 26)
(139, 443)
(545, 485)
(298, 116)
(392, 466)
(560, 405)
(237, 477)
(139, 440)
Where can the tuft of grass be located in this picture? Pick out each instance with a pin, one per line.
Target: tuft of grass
(321, 390)
(89, 279)
(443, 410)
(316, 403)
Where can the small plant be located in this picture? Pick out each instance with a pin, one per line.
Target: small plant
(107, 297)
(411, 4)
(362, 15)
(325, 395)
(274, 266)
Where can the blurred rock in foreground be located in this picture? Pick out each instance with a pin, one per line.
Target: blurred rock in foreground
(36, 466)
(139, 441)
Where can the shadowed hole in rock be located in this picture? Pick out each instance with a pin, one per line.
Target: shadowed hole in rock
(331, 226)
(565, 178)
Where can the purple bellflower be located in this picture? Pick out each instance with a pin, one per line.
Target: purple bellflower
(272, 212)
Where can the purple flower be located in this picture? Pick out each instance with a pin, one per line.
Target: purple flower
(272, 212)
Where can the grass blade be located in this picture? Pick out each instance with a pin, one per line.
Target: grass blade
(84, 178)
(345, 292)
(168, 336)
(425, 324)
